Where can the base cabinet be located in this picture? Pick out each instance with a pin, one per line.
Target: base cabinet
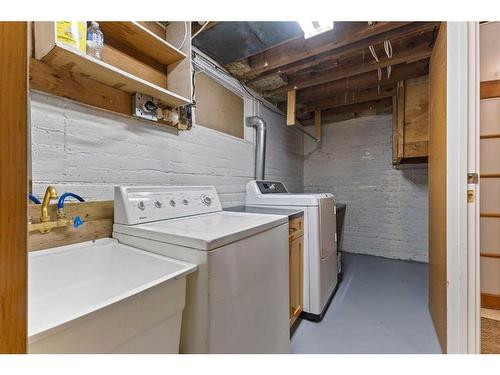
(296, 263)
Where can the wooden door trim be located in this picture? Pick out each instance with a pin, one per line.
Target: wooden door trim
(13, 186)
(437, 186)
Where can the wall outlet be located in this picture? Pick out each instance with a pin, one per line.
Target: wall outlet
(144, 106)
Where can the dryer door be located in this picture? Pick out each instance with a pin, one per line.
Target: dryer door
(327, 226)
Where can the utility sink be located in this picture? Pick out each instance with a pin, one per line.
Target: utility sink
(104, 297)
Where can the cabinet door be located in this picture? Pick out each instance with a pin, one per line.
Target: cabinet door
(296, 278)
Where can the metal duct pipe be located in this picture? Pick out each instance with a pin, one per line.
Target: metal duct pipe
(260, 144)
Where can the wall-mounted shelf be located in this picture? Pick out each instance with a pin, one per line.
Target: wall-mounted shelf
(136, 36)
(65, 57)
(135, 58)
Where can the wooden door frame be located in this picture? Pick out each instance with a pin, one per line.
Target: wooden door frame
(13, 186)
(462, 256)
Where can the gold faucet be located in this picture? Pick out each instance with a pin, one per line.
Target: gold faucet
(50, 194)
(46, 225)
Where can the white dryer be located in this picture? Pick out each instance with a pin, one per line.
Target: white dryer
(237, 302)
(320, 240)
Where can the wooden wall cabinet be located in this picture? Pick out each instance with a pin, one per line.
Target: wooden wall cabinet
(296, 263)
(136, 58)
(411, 122)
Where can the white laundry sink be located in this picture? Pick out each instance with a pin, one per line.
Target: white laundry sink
(104, 297)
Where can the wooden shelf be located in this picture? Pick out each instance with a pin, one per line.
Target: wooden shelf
(490, 89)
(136, 36)
(79, 63)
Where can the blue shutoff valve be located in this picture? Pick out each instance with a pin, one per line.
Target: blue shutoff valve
(77, 222)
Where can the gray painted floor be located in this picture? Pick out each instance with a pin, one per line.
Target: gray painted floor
(380, 307)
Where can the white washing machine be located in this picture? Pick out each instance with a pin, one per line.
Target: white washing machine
(237, 302)
(320, 240)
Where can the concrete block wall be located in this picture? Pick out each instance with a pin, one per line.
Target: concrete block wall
(386, 207)
(89, 151)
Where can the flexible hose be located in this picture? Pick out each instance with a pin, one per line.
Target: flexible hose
(34, 199)
(60, 203)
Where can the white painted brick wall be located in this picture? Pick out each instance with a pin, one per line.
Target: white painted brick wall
(386, 207)
(88, 151)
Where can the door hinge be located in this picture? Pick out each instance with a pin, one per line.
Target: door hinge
(472, 178)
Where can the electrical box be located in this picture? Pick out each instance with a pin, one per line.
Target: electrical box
(144, 106)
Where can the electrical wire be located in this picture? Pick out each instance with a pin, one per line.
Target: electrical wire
(388, 52)
(185, 35)
(374, 54)
(388, 48)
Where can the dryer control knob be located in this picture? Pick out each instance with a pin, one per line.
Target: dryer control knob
(172, 202)
(141, 205)
(207, 201)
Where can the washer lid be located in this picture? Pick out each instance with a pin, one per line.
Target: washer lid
(204, 232)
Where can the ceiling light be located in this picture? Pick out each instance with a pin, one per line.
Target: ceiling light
(313, 28)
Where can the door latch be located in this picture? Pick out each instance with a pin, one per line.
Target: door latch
(470, 196)
(472, 178)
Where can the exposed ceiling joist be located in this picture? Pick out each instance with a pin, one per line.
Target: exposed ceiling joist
(363, 81)
(395, 35)
(350, 98)
(344, 33)
(359, 106)
(334, 71)
(349, 111)
(309, 79)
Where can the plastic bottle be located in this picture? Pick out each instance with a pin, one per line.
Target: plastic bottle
(95, 40)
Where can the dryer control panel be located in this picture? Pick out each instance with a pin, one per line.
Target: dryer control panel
(271, 187)
(144, 204)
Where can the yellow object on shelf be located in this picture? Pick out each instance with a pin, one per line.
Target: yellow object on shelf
(72, 34)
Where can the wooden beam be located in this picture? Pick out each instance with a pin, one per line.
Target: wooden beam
(98, 218)
(352, 97)
(400, 119)
(308, 79)
(374, 105)
(296, 49)
(197, 29)
(490, 89)
(13, 186)
(317, 124)
(395, 131)
(395, 35)
(291, 107)
(363, 81)
(354, 110)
